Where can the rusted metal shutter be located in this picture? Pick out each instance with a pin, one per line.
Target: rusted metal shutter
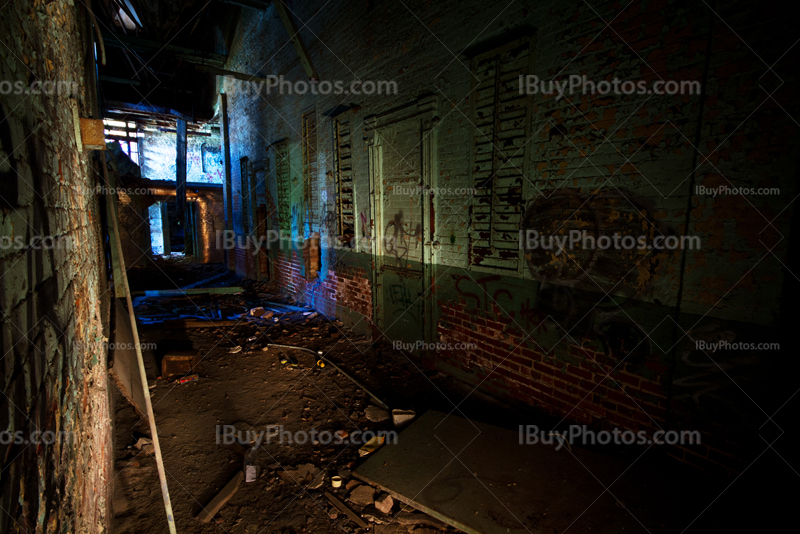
(499, 155)
(310, 185)
(283, 177)
(343, 175)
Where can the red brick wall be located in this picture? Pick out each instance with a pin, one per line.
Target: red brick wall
(588, 390)
(348, 288)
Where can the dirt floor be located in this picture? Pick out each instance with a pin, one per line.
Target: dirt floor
(257, 386)
(245, 382)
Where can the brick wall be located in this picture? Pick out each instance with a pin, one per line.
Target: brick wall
(53, 302)
(550, 327)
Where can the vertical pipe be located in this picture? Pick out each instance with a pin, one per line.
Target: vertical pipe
(180, 173)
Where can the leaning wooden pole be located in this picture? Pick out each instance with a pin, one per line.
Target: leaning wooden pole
(148, 404)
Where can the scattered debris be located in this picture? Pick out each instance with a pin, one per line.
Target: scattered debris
(234, 350)
(384, 503)
(142, 442)
(222, 497)
(258, 312)
(418, 518)
(178, 363)
(190, 378)
(336, 481)
(375, 414)
(363, 495)
(347, 511)
(401, 418)
(251, 464)
(305, 475)
(371, 446)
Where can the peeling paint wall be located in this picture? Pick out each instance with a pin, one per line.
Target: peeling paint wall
(53, 369)
(604, 337)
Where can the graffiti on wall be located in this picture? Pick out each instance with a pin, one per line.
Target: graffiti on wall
(397, 240)
(591, 218)
(365, 225)
(295, 218)
(403, 302)
(329, 219)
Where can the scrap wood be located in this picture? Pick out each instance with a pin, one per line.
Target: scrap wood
(194, 291)
(347, 511)
(197, 323)
(222, 497)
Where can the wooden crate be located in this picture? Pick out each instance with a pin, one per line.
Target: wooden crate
(179, 362)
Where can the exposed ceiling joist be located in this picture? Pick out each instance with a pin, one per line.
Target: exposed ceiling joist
(144, 108)
(231, 74)
(190, 55)
(297, 42)
(254, 4)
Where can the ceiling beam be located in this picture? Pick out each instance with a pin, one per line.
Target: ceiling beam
(232, 74)
(141, 44)
(254, 4)
(114, 79)
(294, 35)
(145, 108)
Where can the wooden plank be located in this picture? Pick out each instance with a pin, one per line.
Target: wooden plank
(193, 291)
(254, 4)
(197, 323)
(131, 42)
(162, 476)
(124, 367)
(346, 510)
(92, 134)
(222, 497)
(179, 362)
(233, 74)
(145, 109)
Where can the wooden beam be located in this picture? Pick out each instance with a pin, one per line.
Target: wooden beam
(180, 174)
(162, 476)
(222, 497)
(144, 108)
(254, 4)
(231, 74)
(347, 511)
(111, 215)
(170, 293)
(141, 44)
(114, 79)
(294, 35)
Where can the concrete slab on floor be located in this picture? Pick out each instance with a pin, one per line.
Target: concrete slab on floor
(480, 479)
